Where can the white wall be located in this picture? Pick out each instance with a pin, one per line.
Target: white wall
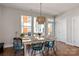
(10, 23)
(61, 29)
(1, 34)
(67, 27)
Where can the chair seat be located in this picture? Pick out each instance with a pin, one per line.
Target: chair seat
(49, 44)
(18, 47)
(37, 46)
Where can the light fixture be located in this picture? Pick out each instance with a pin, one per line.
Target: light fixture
(40, 19)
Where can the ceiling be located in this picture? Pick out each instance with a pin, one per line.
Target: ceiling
(47, 8)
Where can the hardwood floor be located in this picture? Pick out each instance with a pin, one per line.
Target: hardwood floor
(8, 52)
(66, 50)
(62, 49)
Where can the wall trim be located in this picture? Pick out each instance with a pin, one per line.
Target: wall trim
(8, 45)
(72, 44)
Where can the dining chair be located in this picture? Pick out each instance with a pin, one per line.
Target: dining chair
(17, 45)
(49, 45)
(1, 47)
(37, 49)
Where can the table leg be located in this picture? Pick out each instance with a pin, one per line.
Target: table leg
(25, 50)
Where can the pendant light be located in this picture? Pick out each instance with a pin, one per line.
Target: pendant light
(40, 19)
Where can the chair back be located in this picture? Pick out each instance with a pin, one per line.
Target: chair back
(17, 43)
(37, 46)
(49, 44)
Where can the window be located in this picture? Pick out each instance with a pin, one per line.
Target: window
(50, 26)
(38, 28)
(27, 27)
(26, 24)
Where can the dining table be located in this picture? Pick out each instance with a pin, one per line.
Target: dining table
(27, 41)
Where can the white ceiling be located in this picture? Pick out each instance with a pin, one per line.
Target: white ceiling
(47, 8)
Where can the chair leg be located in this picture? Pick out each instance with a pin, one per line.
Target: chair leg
(50, 50)
(42, 53)
(54, 51)
(31, 52)
(15, 52)
(46, 52)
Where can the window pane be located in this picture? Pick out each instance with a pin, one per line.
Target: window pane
(29, 23)
(38, 28)
(50, 26)
(35, 26)
(25, 19)
(50, 20)
(25, 30)
(26, 24)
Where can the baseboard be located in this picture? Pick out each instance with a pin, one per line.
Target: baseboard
(8, 45)
(72, 44)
